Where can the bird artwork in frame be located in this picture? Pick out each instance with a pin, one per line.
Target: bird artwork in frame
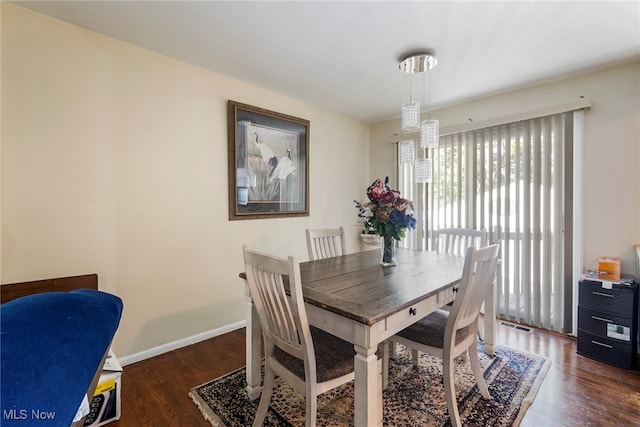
(271, 169)
(268, 163)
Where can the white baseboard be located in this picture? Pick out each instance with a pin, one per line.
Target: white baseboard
(173, 345)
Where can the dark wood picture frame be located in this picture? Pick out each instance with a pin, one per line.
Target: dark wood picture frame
(268, 163)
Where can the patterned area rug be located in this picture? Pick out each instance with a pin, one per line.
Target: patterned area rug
(414, 397)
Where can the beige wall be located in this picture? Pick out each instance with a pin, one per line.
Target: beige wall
(611, 151)
(114, 162)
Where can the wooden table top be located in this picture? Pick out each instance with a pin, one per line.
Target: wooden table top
(358, 287)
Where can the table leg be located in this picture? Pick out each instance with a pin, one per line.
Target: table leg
(368, 392)
(490, 322)
(253, 341)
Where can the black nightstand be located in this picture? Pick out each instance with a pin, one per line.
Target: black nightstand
(608, 322)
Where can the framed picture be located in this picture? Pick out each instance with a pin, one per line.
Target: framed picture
(268, 163)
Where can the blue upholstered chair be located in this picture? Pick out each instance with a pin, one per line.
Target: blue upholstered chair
(53, 348)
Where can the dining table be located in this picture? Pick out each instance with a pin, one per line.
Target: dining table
(355, 298)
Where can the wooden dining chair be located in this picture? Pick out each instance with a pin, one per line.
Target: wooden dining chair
(310, 360)
(455, 241)
(326, 243)
(450, 334)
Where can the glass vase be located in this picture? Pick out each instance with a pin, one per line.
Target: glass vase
(388, 258)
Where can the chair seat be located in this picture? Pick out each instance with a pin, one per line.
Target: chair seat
(334, 357)
(430, 330)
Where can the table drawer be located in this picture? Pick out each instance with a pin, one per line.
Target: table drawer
(620, 299)
(606, 324)
(411, 315)
(613, 352)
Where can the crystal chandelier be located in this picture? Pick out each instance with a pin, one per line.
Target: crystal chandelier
(410, 116)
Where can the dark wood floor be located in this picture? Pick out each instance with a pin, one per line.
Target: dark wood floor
(577, 391)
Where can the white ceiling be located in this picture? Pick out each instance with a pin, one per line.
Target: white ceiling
(344, 55)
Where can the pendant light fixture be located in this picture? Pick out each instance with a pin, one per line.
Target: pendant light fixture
(410, 113)
(406, 150)
(416, 63)
(429, 129)
(429, 133)
(424, 170)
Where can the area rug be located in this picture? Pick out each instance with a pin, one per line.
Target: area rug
(414, 397)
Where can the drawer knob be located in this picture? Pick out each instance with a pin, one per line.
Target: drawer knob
(454, 289)
(413, 311)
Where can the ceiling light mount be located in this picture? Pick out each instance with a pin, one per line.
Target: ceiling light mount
(418, 63)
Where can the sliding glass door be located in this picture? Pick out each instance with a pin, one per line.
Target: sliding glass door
(512, 181)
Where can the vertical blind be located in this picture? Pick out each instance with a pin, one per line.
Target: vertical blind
(509, 180)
